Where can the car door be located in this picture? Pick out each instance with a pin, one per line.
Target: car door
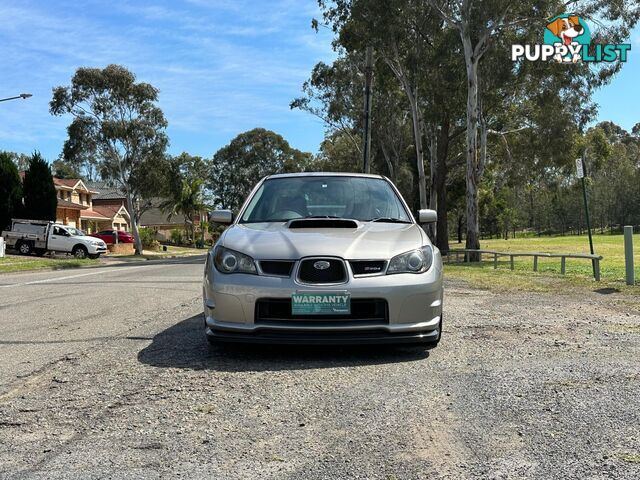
(59, 240)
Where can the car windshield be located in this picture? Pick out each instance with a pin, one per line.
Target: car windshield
(358, 198)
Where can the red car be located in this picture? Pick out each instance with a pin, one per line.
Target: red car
(107, 236)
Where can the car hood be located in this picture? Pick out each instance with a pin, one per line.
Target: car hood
(264, 241)
(87, 238)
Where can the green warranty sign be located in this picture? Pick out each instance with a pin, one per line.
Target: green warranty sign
(321, 303)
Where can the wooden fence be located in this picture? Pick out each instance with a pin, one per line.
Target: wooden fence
(595, 259)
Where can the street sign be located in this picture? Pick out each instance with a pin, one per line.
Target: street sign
(579, 168)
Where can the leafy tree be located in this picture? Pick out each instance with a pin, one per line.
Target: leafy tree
(249, 157)
(10, 190)
(40, 200)
(116, 122)
(479, 24)
(19, 159)
(189, 202)
(62, 169)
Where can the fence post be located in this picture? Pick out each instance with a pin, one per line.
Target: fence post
(596, 269)
(628, 254)
(495, 261)
(563, 265)
(535, 263)
(511, 262)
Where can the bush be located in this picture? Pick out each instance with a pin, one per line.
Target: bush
(147, 237)
(154, 246)
(176, 236)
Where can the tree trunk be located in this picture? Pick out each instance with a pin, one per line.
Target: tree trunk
(433, 161)
(134, 224)
(387, 159)
(473, 226)
(460, 218)
(417, 138)
(442, 227)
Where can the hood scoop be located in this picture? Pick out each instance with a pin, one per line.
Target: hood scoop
(323, 223)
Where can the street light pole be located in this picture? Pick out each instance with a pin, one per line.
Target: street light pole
(23, 96)
(366, 140)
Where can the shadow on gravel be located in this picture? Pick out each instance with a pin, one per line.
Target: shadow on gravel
(183, 345)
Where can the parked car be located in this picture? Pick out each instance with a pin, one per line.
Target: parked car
(41, 236)
(324, 258)
(108, 237)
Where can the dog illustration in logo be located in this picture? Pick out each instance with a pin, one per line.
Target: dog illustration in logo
(567, 29)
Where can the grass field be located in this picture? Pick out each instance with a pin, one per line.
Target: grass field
(17, 263)
(548, 277)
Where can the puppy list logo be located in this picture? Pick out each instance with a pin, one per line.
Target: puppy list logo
(567, 39)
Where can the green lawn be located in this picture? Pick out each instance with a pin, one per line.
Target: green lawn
(17, 263)
(579, 272)
(172, 251)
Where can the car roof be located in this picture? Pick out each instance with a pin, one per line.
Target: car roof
(323, 174)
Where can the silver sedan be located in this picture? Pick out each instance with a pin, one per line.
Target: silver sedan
(324, 258)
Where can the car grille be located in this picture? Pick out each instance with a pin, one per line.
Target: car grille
(335, 273)
(276, 267)
(367, 267)
(364, 311)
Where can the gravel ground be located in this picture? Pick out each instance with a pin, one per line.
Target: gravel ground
(522, 386)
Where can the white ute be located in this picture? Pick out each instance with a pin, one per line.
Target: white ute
(40, 236)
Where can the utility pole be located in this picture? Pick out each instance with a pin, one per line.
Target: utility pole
(368, 76)
(582, 172)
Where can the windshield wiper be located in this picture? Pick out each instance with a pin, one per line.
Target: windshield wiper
(388, 220)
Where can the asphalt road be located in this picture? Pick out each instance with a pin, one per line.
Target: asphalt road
(105, 374)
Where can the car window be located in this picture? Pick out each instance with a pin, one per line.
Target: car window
(359, 198)
(74, 232)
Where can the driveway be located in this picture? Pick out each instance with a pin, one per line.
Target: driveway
(106, 374)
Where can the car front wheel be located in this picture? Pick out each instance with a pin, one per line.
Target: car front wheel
(79, 252)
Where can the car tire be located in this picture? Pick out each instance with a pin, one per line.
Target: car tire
(24, 248)
(79, 252)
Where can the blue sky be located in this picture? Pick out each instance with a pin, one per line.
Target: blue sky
(222, 67)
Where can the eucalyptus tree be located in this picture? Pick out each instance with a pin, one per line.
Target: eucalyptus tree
(251, 155)
(117, 122)
(479, 23)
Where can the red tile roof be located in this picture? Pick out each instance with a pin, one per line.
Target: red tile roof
(65, 182)
(94, 215)
(106, 211)
(71, 205)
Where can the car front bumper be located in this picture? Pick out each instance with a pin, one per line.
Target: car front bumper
(414, 309)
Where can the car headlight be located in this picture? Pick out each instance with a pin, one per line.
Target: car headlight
(96, 243)
(230, 261)
(415, 261)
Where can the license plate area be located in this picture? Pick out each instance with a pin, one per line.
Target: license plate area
(321, 303)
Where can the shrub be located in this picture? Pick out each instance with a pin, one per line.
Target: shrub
(176, 236)
(147, 236)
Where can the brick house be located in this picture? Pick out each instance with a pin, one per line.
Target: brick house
(76, 207)
(153, 218)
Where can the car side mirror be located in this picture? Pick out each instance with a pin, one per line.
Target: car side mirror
(427, 216)
(221, 216)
